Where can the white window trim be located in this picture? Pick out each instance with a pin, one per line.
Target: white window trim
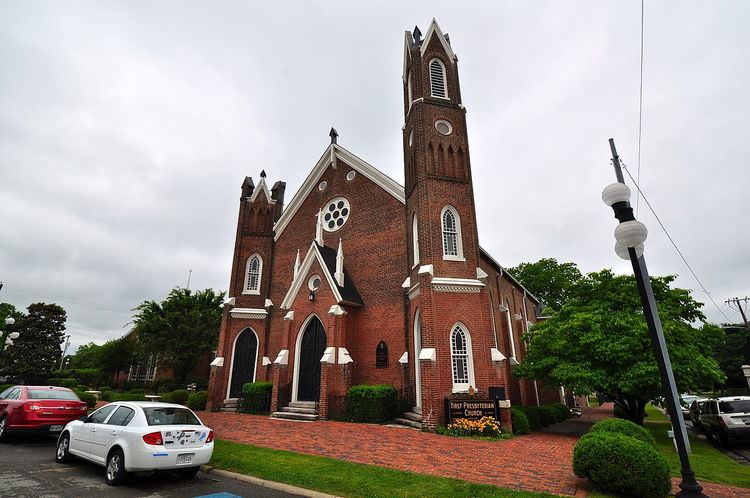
(231, 367)
(245, 290)
(415, 239)
(459, 236)
(510, 331)
(445, 78)
(462, 387)
(409, 91)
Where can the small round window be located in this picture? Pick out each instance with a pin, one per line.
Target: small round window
(314, 283)
(322, 185)
(335, 214)
(443, 127)
(350, 176)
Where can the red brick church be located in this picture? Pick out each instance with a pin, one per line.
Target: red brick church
(360, 280)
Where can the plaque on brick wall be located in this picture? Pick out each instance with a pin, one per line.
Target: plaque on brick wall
(381, 355)
(469, 408)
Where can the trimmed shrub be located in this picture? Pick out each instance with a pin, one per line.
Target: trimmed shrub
(622, 464)
(520, 421)
(165, 385)
(534, 416)
(256, 397)
(197, 401)
(563, 409)
(371, 403)
(90, 399)
(180, 397)
(69, 383)
(549, 415)
(137, 391)
(625, 427)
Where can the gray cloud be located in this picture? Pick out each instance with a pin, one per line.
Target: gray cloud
(126, 129)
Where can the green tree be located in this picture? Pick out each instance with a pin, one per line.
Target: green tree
(599, 342)
(181, 329)
(115, 356)
(87, 356)
(550, 281)
(732, 353)
(36, 352)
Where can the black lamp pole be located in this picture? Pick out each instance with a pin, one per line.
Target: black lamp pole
(624, 212)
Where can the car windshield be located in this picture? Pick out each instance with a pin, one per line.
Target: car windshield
(170, 416)
(739, 406)
(52, 394)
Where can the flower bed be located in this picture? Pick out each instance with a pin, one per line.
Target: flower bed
(484, 427)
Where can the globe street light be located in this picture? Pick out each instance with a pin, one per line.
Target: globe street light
(630, 235)
(746, 371)
(7, 338)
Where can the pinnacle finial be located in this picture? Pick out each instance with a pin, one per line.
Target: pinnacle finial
(263, 173)
(333, 134)
(417, 35)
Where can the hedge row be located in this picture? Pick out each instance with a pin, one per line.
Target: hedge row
(538, 417)
(621, 457)
(256, 397)
(371, 403)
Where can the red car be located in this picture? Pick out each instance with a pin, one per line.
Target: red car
(44, 409)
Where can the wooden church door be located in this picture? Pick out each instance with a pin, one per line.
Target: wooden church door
(311, 350)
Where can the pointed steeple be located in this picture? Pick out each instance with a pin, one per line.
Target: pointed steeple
(339, 275)
(296, 267)
(417, 35)
(333, 134)
(319, 228)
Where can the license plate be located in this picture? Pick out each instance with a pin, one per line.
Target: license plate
(55, 428)
(185, 458)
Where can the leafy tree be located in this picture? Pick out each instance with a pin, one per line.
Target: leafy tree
(181, 329)
(733, 353)
(599, 342)
(550, 281)
(36, 352)
(87, 356)
(115, 356)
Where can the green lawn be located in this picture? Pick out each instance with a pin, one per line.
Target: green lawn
(653, 414)
(708, 463)
(344, 478)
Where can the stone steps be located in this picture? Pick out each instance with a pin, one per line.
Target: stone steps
(294, 409)
(407, 423)
(298, 410)
(309, 417)
(229, 405)
(410, 419)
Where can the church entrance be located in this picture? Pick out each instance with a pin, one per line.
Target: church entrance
(311, 349)
(243, 362)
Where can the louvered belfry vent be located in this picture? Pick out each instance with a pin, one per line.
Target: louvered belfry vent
(437, 79)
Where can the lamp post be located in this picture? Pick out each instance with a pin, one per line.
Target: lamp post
(7, 337)
(630, 235)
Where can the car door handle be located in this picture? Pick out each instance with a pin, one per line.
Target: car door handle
(114, 433)
(93, 430)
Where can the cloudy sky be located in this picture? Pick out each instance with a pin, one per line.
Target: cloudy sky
(126, 129)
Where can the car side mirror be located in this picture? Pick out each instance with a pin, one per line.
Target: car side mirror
(84, 418)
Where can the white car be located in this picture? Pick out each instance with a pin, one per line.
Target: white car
(138, 437)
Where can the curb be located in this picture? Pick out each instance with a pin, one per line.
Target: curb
(278, 486)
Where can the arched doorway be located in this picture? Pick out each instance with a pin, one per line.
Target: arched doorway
(417, 350)
(244, 359)
(309, 351)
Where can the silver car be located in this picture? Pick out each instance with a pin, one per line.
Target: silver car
(726, 418)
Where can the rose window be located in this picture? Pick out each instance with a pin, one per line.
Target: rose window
(335, 214)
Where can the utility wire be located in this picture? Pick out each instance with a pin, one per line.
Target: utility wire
(674, 244)
(640, 119)
(27, 290)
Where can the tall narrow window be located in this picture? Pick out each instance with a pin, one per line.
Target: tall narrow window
(451, 224)
(511, 335)
(253, 274)
(463, 372)
(437, 79)
(408, 89)
(415, 239)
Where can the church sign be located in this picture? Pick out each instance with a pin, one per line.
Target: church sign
(471, 409)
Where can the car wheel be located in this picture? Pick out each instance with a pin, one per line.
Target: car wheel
(115, 471)
(62, 454)
(189, 473)
(3, 429)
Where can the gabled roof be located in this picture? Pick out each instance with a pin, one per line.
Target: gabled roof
(262, 187)
(434, 30)
(326, 258)
(333, 152)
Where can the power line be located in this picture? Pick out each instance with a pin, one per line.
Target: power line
(640, 118)
(27, 290)
(674, 244)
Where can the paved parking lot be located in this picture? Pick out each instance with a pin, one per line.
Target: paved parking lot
(27, 468)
